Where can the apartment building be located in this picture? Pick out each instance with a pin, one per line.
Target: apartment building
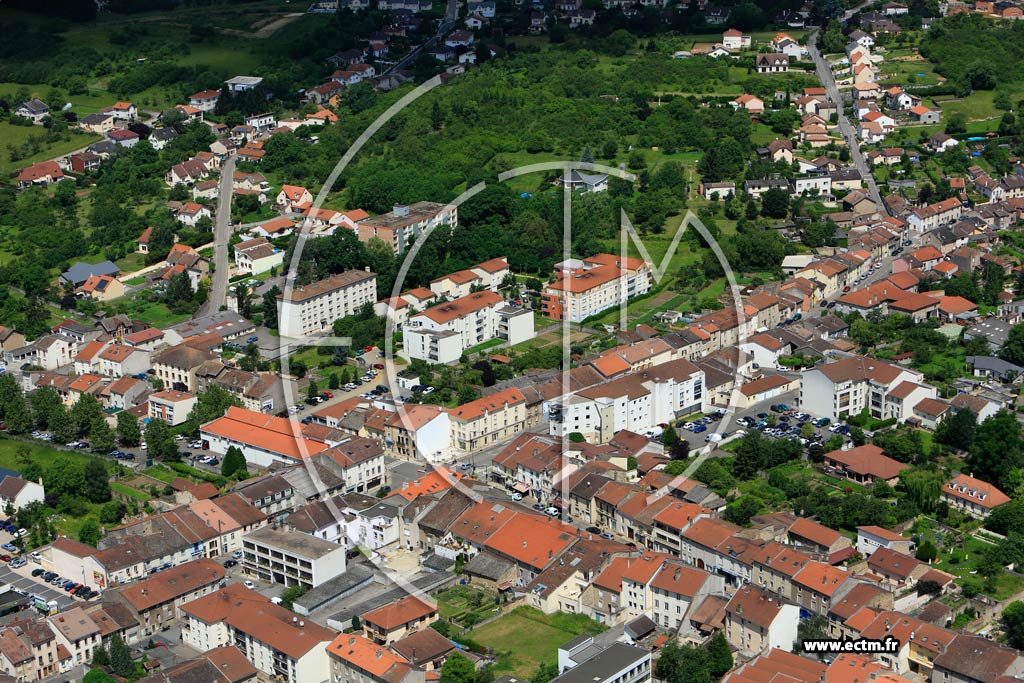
(355, 659)
(171, 407)
(636, 402)
(973, 496)
(403, 225)
(276, 641)
(257, 256)
(311, 309)
(442, 333)
(398, 619)
(585, 287)
(156, 602)
(291, 557)
(756, 621)
(848, 386)
(77, 633)
(488, 420)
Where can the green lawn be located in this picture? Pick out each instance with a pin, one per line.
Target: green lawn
(37, 452)
(129, 491)
(16, 135)
(156, 314)
(526, 638)
(456, 604)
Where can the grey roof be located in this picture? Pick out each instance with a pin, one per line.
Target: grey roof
(294, 542)
(640, 627)
(352, 579)
(992, 329)
(35, 106)
(423, 584)
(488, 566)
(80, 272)
(993, 364)
(603, 666)
(437, 562)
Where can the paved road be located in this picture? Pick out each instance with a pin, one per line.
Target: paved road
(845, 127)
(221, 237)
(451, 13)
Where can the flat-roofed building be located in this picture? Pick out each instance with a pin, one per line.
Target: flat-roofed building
(403, 225)
(443, 332)
(291, 558)
(311, 309)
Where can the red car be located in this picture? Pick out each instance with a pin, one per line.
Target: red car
(328, 394)
(846, 288)
(5, 558)
(367, 348)
(378, 366)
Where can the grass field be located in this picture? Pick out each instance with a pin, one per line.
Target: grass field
(17, 135)
(526, 638)
(156, 314)
(129, 491)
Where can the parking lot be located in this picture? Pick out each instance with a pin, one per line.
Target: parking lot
(24, 583)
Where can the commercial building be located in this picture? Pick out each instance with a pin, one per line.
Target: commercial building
(263, 439)
(311, 309)
(291, 557)
(586, 287)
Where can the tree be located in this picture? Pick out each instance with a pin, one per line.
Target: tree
(233, 462)
(926, 552)
(814, 628)
(62, 427)
(958, 430)
(1013, 623)
(312, 391)
(458, 669)
(291, 594)
(85, 412)
(742, 509)
(545, 673)
(121, 658)
(113, 512)
(101, 436)
(270, 307)
(684, 664)
(669, 436)
(160, 441)
(97, 481)
(1013, 349)
(775, 203)
(996, 450)
(720, 654)
(90, 533)
(128, 431)
(679, 450)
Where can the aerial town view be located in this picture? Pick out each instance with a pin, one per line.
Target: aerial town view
(512, 341)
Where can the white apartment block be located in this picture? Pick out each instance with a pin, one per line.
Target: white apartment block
(441, 333)
(291, 558)
(311, 309)
(848, 386)
(638, 402)
(586, 287)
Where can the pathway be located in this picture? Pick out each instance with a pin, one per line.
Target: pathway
(221, 237)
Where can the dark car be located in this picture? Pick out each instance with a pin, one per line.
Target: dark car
(593, 530)
(228, 564)
(382, 389)
(5, 558)
(38, 571)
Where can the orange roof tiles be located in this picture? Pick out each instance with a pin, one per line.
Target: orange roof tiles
(488, 404)
(820, 577)
(398, 613)
(270, 433)
(440, 479)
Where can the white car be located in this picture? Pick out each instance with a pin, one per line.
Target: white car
(517, 496)
(249, 584)
(553, 511)
(237, 555)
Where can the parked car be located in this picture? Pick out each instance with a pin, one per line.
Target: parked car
(18, 562)
(517, 496)
(38, 571)
(237, 555)
(249, 584)
(228, 564)
(9, 547)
